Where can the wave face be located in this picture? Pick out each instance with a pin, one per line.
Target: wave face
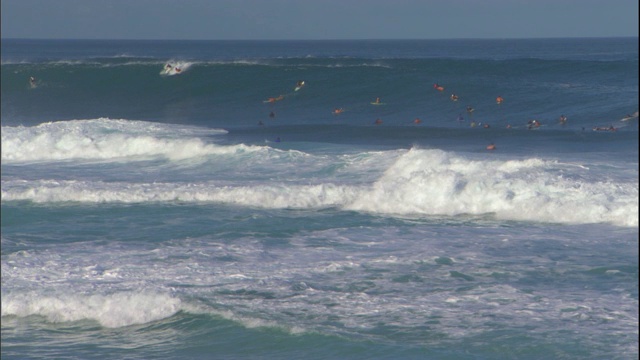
(150, 215)
(219, 85)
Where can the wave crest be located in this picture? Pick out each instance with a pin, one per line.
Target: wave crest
(102, 139)
(112, 311)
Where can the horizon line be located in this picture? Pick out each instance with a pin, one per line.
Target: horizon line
(317, 39)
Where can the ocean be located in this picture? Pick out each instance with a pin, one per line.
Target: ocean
(215, 212)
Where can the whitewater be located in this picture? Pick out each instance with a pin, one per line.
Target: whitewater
(409, 182)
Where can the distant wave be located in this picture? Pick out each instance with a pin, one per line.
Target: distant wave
(220, 88)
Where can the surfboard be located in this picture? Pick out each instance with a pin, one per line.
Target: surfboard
(299, 86)
(166, 69)
(378, 103)
(632, 116)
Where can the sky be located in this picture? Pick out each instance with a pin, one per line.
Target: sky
(315, 20)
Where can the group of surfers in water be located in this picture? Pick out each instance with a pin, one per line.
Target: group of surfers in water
(531, 124)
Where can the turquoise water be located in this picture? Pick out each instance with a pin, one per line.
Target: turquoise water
(170, 216)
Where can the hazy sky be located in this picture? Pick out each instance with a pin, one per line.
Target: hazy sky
(319, 19)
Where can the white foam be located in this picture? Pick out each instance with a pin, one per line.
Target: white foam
(434, 182)
(399, 183)
(183, 67)
(114, 310)
(263, 196)
(101, 139)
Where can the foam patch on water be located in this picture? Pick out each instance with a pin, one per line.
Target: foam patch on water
(114, 310)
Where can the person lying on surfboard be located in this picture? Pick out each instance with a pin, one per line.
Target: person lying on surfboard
(274, 99)
(531, 124)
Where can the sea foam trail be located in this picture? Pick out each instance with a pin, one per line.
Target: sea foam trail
(262, 196)
(103, 139)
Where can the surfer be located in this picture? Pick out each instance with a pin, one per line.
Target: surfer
(377, 101)
(491, 147)
(299, 85)
(533, 124)
(417, 121)
(337, 111)
(454, 97)
(460, 118)
(274, 99)
(499, 100)
(378, 122)
(272, 114)
(562, 119)
(470, 109)
(438, 87)
(32, 81)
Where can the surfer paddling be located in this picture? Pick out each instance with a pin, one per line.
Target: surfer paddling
(274, 99)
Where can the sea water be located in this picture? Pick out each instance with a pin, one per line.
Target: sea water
(185, 216)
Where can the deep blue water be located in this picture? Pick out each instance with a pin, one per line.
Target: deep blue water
(184, 216)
